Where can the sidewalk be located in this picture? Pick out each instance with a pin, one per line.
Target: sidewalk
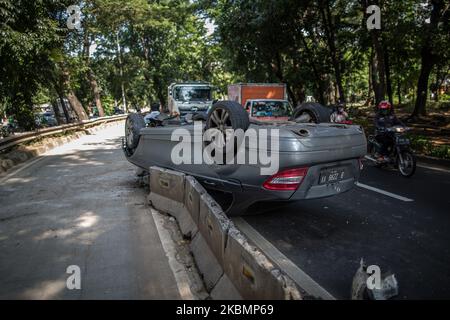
(80, 205)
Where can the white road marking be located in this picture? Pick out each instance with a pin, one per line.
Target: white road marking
(386, 193)
(21, 168)
(292, 270)
(433, 168)
(178, 270)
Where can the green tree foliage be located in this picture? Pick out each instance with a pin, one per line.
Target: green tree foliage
(30, 40)
(127, 53)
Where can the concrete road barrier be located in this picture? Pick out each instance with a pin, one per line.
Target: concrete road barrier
(193, 191)
(214, 226)
(207, 263)
(167, 192)
(253, 274)
(232, 268)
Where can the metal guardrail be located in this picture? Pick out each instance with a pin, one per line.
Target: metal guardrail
(16, 139)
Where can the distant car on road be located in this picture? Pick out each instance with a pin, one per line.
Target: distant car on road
(45, 119)
(118, 111)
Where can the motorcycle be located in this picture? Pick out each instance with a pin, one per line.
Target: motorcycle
(399, 153)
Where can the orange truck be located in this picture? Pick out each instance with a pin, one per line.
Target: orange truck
(263, 102)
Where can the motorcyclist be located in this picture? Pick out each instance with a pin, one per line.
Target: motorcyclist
(385, 118)
(340, 115)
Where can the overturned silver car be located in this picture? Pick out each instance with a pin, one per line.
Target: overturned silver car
(254, 161)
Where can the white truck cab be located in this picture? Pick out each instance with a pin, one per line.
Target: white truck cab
(190, 97)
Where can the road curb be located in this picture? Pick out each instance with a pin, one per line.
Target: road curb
(232, 267)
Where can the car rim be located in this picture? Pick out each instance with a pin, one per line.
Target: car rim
(305, 117)
(129, 134)
(220, 119)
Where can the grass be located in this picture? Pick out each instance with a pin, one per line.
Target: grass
(425, 146)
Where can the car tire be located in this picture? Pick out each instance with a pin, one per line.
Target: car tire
(134, 123)
(317, 113)
(237, 116)
(226, 116)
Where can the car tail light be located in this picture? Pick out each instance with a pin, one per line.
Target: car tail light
(287, 180)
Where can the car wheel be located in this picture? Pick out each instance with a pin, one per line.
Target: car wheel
(312, 112)
(226, 117)
(135, 122)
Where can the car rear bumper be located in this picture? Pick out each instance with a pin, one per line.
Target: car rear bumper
(312, 189)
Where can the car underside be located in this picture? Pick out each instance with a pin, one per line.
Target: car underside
(312, 160)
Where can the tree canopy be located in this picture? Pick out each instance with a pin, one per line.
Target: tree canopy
(126, 53)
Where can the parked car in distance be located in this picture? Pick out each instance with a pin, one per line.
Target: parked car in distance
(118, 111)
(45, 119)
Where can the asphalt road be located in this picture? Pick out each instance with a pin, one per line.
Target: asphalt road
(406, 233)
(80, 204)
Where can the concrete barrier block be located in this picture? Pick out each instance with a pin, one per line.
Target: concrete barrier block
(253, 275)
(176, 209)
(225, 290)
(167, 190)
(194, 190)
(207, 264)
(213, 224)
(168, 183)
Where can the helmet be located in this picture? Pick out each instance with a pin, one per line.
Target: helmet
(384, 107)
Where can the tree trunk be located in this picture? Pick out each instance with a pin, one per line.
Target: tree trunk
(73, 100)
(91, 77)
(122, 85)
(369, 89)
(428, 59)
(388, 76)
(378, 64)
(58, 87)
(422, 85)
(96, 90)
(331, 40)
(160, 92)
(378, 74)
(76, 106)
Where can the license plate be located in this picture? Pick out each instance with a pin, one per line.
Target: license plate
(332, 175)
(402, 141)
